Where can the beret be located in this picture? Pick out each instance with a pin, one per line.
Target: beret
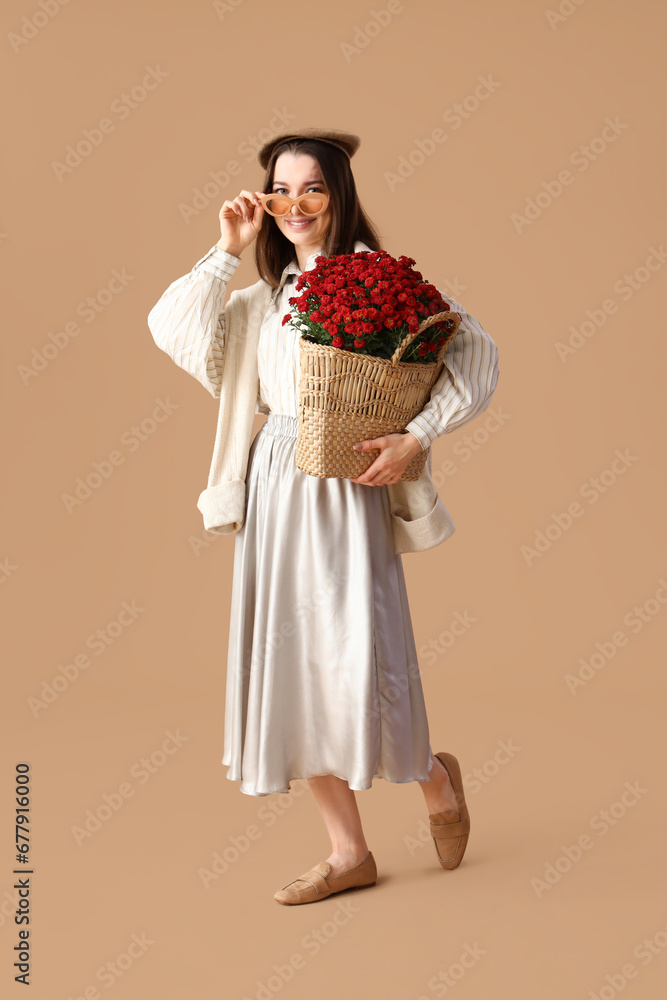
(347, 141)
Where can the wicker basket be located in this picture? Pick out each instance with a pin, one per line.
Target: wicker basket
(346, 397)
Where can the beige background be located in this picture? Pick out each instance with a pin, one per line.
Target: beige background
(65, 575)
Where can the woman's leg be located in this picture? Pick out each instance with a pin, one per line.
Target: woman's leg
(338, 805)
(438, 792)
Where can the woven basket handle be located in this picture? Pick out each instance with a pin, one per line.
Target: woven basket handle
(429, 321)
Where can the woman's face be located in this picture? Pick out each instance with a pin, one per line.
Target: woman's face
(296, 174)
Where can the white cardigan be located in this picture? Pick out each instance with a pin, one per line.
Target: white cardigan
(221, 351)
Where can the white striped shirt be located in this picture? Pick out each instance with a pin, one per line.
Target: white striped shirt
(188, 323)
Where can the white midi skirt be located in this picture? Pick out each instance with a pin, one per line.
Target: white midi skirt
(322, 672)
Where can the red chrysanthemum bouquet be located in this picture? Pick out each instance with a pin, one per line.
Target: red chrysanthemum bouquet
(367, 302)
(373, 339)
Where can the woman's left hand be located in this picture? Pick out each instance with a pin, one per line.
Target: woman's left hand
(396, 450)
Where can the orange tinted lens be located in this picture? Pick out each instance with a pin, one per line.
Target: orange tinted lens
(278, 205)
(311, 205)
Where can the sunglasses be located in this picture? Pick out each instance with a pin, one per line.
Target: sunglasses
(309, 204)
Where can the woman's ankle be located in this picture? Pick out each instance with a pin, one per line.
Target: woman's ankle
(350, 850)
(439, 792)
(343, 861)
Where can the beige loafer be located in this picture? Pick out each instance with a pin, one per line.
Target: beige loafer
(450, 829)
(316, 883)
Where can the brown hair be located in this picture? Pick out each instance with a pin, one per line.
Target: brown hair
(349, 222)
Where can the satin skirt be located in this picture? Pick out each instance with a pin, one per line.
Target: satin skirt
(322, 672)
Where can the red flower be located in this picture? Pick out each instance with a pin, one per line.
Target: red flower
(372, 298)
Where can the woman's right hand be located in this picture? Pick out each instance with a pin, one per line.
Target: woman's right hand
(240, 221)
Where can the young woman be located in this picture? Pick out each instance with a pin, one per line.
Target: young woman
(323, 681)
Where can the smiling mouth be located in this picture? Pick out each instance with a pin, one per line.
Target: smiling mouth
(301, 224)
